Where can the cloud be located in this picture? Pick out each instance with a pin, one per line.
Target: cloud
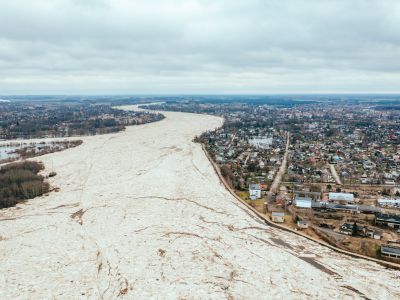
(199, 46)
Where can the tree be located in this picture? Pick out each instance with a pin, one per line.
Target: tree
(251, 167)
(315, 188)
(227, 173)
(354, 230)
(20, 181)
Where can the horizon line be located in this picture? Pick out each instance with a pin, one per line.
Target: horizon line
(209, 94)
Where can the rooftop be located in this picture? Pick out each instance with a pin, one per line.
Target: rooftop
(254, 186)
(390, 249)
(278, 214)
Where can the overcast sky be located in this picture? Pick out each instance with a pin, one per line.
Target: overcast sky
(199, 46)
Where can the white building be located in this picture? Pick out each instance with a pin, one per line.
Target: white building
(254, 191)
(302, 202)
(347, 197)
(261, 142)
(389, 202)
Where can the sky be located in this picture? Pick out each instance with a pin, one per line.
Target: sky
(199, 46)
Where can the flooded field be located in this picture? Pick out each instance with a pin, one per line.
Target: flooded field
(11, 151)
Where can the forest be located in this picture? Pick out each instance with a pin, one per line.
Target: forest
(21, 181)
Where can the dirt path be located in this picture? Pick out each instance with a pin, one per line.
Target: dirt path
(335, 174)
(282, 169)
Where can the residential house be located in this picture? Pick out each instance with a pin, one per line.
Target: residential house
(254, 191)
(302, 224)
(278, 217)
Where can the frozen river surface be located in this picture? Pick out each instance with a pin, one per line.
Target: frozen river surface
(142, 215)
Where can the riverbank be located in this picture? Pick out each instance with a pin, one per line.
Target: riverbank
(268, 221)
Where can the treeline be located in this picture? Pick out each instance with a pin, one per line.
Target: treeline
(25, 120)
(37, 149)
(21, 181)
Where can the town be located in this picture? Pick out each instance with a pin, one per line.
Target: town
(328, 169)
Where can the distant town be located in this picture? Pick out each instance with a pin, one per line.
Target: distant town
(330, 169)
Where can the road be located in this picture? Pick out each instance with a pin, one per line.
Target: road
(282, 169)
(231, 141)
(335, 174)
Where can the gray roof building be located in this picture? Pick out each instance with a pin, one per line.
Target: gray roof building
(391, 251)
